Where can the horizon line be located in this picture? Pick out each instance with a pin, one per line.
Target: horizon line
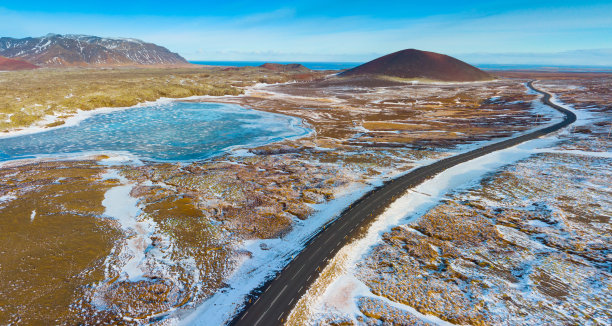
(361, 62)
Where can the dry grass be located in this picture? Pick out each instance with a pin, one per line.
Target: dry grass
(526, 242)
(47, 260)
(379, 125)
(477, 253)
(378, 310)
(413, 115)
(255, 199)
(302, 310)
(26, 97)
(206, 207)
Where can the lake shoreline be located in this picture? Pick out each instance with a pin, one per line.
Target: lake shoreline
(127, 143)
(81, 115)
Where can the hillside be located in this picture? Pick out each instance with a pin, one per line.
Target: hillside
(7, 64)
(417, 64)
(285, 67)
(55, 50)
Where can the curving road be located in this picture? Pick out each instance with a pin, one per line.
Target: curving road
(271, 304)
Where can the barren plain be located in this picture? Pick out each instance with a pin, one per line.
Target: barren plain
(527, 243)
(115, 239)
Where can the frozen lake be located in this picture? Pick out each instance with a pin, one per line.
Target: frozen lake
(173, 131)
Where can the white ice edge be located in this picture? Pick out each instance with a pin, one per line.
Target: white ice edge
(114, 158)
(82, 115)
(298, 128)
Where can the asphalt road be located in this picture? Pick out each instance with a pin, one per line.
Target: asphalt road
(271, 304)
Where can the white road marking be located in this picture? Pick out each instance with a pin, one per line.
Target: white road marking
(271, 304)
(294, 275)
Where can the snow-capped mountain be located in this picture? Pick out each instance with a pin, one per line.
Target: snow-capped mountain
(84, 50)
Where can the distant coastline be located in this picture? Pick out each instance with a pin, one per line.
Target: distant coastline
(309, 65)
(548, 68)
(348, 65)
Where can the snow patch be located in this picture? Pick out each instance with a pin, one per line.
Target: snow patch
(265, 264)
(6, 198)
(412, 205)
(122, 207)
(121, 159)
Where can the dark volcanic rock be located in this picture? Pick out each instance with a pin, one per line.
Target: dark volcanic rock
(292, 67)
(7, 64)
(83, 50)
(416, 64)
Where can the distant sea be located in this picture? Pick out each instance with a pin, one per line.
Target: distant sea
(348, 65)
(555, 68)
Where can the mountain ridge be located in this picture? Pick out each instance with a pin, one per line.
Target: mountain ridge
(70, 50)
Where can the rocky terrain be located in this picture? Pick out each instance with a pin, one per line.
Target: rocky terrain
(162, 239)
(54, 50)
(7, 64)
(196, 223)
(419, 65)
(528, 244)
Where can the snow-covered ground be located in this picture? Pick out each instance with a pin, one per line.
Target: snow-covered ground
(415, 203)
(135, 258)
(122, 207)
(268, 258)
(541, 110)
(323, 297)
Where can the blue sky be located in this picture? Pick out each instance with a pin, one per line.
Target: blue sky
(530, 32)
